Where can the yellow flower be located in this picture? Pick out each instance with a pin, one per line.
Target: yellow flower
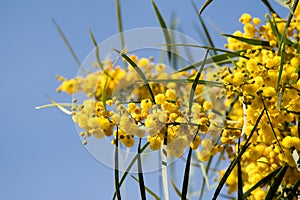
(269, 91)
(256, 21)
(106, 125)
(203, 155)
(245, 18)
(196, 142)
(207, 105)
(160, 98)
(171, 95)
(143, 62)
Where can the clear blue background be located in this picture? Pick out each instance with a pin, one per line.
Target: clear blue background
(41, 156)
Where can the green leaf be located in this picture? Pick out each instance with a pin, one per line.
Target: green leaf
(66, 42)
(200, 46)
(280, 67)
(195, 84)
(234, 162)
(268, 5)
(175, 188)
(117, 185)
(204, 6)
(283, 37)
(140, 73)
(271, 125)
(216, 59)
(97, 49)
(186, 175)
(293, 194)
(104, 94)
(140, 172)
(120, 27)
(276, 183)
(134, 159)
(240, 179)
(204, 27)
(283, 42)
(120, 24)
(164, 28)
(262, 182)
(201, 82)
(147, 189)
(276, 32)
(274, 28)
(249, 41)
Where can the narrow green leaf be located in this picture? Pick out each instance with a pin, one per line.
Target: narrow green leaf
(120, 27)
(186, 175)
(248, 40)
(276, 32)
(140, 172)
(201, 46)
(120, 23)
(215, 59)
(139, 71)
(240, 179)
(234, 162)
(274, 28)
(201, 82)
(117, 185)
(204, 27)
(204, 6)
(97, 49)
(283, 37)
(66, 42)
(276, 183)
(164, 28)
(262, 182)
(134, 159)
(194, 86)
(210, 41)
(175, 188)
(294, 190)
(283, 42)
(104, 94)
(268, 5)
(271, 125)
(280, 67)
(147, 189)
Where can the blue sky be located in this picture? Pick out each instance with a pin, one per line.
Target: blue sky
(41, 153)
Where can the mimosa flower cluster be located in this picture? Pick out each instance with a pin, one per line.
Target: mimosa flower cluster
(260, 89)
(163, 120)
(264, 79)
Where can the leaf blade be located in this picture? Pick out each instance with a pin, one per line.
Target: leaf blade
(164, 28)
(248, 40)
(147, 189)
(66, 42)
(140, 73)
(204, 6)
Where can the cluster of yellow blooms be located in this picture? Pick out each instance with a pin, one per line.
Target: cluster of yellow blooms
(163, 120)
(163, 114)
(253, 81)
